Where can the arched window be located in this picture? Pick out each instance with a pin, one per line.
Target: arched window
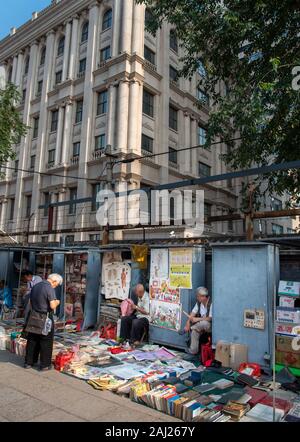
(26, 65)
(85, 32)
(173, 40)
(43, 56)
(107, 20)
(61, 46)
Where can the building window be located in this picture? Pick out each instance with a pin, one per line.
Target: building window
(148, 103)
(95, 237)
(82, 67)
(85, 32)
(276, 204)
(61, 46)
(76, 149)
(58, 77)
(46, 203)
(105, 54)
(173, 118)
(35, 127)
(51, 157)
(95, 190)
(28, 206)
(70, 239)
(43, 56)
(79, 111)
(100, 142)
(148, 17)
(39, 88)
(149, 55)
(173, 74)
(202, 136)
(73, 197)
(23, 95)
(54, 120)
(202, 96)
(173, 157)
(32, 162)
(102, 103)
(147, 143)
(26, 66)
(11, 210)
(277, 229)
(173, 40)
(201, 69)
(207, 212)
(44, 239)
(204, 170)
(107, 20)
(16, 167)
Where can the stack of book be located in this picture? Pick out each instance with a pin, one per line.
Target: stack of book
(236, 411)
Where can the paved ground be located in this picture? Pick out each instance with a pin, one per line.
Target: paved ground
(31, 396)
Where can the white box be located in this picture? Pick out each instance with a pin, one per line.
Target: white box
(289, 288)
(288, 314)
(286, 301)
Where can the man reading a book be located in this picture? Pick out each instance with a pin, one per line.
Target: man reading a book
(200, 319)
(134, 326)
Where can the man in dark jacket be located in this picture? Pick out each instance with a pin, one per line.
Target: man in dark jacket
(43, 300)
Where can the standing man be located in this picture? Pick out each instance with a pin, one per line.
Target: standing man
(133, 327)
(43, 300)
(200, 320)
(31, 280)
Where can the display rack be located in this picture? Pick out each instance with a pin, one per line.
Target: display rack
(75, 274)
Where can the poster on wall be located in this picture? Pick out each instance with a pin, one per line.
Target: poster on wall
(180, 270)
(165, 315)
(116, 280)
(160, 289)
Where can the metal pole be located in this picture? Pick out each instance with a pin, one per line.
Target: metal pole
(19, 282)
(274, 339)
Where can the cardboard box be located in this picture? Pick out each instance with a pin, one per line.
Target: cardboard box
(285, 344)
(231, 354)
(288, 358)
(289, 288)
(223, 353)
(286, 301)
(288, 314)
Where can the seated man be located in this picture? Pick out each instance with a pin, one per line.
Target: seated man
(200, 319)
(133, 327)
(5, 295)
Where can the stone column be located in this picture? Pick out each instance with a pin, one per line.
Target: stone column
(111, 115)
(88, 110)
(135, 109)
(138, 30)
(74, 47)
(24, 148)
(59, 135)
(3, 202)
(67, 134)
(41, 150)
(116, 28)
(122, 127)
(19, 69)
(14, 69)
(194, 152)
(67, 51)
(127, 26)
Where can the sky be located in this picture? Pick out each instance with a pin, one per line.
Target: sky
(14, 13)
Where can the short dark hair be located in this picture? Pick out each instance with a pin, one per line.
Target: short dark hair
(27, 273)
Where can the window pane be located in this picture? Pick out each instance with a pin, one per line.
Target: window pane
(202, 96)
(147, 143)
(201, 69)
(73, 197)
(204, 170)
(149, 55)
(202, 136)
(46, 202)
(82, 65)
(173, 155)
(148, 103)
(173, 118)
(79, 109)
(51, 156)
(107, 20)
(173, 41)
(61, 46)
(100, 142)
(95, 190)
(173, 74)
(85, 32)
(76, 149)
(102, 103)
(105, 54)
(58, 77)
(32, 162)
(43, 56)
(54, 121)
(35, 127)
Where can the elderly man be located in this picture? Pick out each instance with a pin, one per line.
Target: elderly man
(43, 300)
(133, 327)
(200, 319)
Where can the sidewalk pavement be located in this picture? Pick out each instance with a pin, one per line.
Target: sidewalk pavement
(32, 396)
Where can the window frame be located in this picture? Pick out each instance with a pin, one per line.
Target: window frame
(61, 46)
(102, 105)
(85, 32)
(51, 153)
(72, 205)
(100, 137)
(58, 77)
(107, 20)
(54, 122)
(105, 51)
(76, 152)
(35, 132)
(172, 120)
(152, 54)
(205, 167)
(79, 112)
(173, 41)
(147, 138)
(173, 152)
(43, 56)
(148, 105)
(201, 136)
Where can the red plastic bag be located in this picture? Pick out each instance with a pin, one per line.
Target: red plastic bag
(255, 368)
(109, 331)
(207, 353)
(62, 359)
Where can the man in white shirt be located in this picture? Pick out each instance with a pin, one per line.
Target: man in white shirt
(133, 327)
(200, 319)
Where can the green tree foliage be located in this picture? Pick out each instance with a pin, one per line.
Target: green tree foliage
(11, 125)
(251, 47)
